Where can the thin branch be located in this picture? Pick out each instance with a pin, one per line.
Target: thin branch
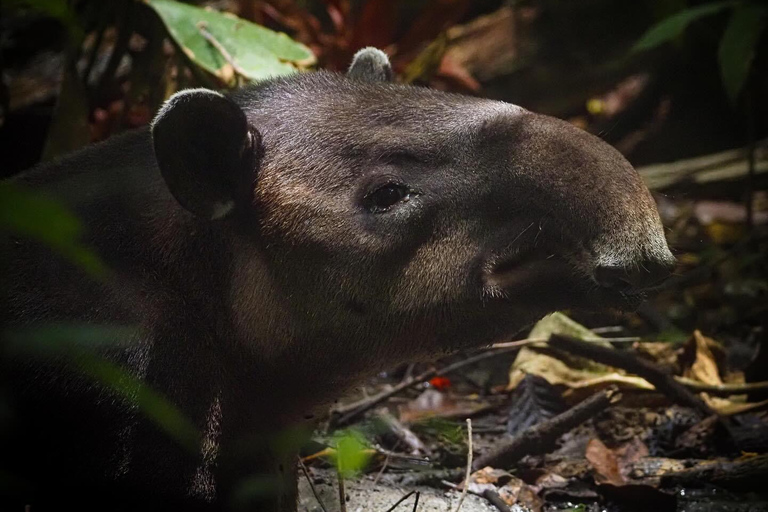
(311, 484)
(342, 489)
(663, 381)
(469, 465)
(725, 389)
(353, 411)
(402, 499)
(416, 501)
(542, 437)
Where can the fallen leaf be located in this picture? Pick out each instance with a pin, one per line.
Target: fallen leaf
(612, 466)
(604, 463)
(577, 372)
(704, 367)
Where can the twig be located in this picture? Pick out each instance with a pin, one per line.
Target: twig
(469, 465)
(416, 501)
(202, 28)
(495, 500)
(311, 484)
(542, 437)
(381, 471)
(533, 341)
(664, 382)
(402, 499)
(342, 490)
(725, 389)
(351, 412)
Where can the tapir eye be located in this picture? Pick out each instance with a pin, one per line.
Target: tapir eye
(386, 196)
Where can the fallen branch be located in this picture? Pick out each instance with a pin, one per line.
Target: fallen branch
(727, 165)
(663, 382)
(748, 474)
(542, 437)
(345, 415)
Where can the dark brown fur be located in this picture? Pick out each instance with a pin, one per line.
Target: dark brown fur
(248, 322)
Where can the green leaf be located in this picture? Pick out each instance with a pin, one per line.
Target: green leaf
(78, 344)
(671, 27)
(351, 453)
(737, 46)
(29, 214)
(233, 45)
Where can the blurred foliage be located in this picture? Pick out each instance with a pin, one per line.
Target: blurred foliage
(738, 42)
(26, 213)
(352, 452)
(79, 344)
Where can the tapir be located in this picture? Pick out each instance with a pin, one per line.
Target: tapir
(271, 247)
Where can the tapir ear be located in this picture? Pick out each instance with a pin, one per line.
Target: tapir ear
(206, 151)
(371, 64)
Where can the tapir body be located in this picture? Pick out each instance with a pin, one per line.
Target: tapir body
(271, 248)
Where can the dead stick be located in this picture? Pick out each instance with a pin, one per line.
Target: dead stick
(724, 389)
(469, 465)
(353, 411)
(741, 474)
(542, 437)
(662, 381)
(402, 499)
(342, 490)
(311, 484)
(495, 500)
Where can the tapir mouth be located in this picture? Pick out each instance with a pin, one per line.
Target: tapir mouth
(545, 270)
(518, 267)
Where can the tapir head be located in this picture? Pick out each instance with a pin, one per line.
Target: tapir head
(398, 221)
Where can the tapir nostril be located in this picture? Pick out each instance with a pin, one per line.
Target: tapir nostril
(635, 278)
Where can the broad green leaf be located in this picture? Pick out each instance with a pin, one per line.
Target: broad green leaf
(671, 27)
(26, 213)
(225, 45)
(76, 343)
(738, 44)
(352, 453)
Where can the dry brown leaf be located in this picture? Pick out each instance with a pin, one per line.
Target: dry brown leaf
(604, 463)
(489, 475)
(517, 492)
(612, 466)
(704, 367)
